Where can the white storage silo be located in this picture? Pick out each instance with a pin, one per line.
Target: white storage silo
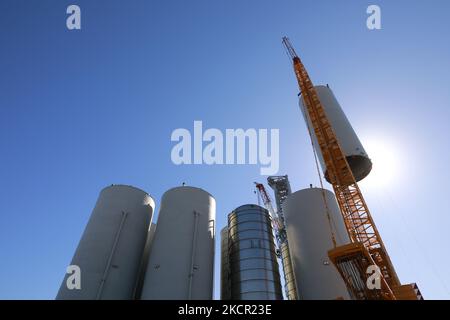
(181, 264)
(356, 156)
(144, 262)
(309, 238)
(110, 251)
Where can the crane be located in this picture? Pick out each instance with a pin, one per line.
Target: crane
(280, 231)
(276, 221)
(366, 247)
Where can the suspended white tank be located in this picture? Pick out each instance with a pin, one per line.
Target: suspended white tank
(356, 156)
(181, 264)
(110, 251)
(309, 239)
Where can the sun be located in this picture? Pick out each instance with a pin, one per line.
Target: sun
(385, 156)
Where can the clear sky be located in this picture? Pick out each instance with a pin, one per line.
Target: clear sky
(80, 110)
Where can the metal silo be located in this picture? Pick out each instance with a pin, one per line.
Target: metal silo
(181, 263)
(225, 280)
(252, 256)
(309, 236)
(356, 156)
(110, 251)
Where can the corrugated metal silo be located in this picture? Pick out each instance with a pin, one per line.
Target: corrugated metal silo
(356, 156)
(225, 280)
(252, 256)
(181, 263)
(110, 251)
(309, 236)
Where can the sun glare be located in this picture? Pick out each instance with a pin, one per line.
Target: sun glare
(385, 158)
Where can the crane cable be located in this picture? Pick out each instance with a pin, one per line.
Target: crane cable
(322, 190)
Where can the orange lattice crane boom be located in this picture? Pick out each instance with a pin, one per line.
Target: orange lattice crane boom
(366, 247)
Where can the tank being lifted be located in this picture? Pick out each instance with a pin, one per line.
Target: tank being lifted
(356, 156)
(110, 251)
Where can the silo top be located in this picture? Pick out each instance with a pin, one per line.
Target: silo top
(189, 188)
(249, 206)
(123, 187)
(307, 207)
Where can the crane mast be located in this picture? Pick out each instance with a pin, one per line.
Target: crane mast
(282, 189)
(366, 247)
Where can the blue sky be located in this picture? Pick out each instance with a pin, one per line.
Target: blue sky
(80, 110)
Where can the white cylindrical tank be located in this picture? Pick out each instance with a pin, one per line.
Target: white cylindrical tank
(110, 251)
(309, 239)
(357, 157)
(144, 262)
(181, 264)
